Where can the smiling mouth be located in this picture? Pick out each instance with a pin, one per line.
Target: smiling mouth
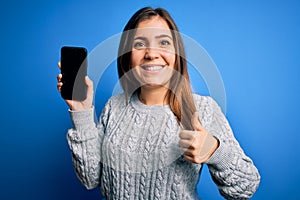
(152, 67)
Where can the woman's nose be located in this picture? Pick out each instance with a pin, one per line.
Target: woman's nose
(152, 53)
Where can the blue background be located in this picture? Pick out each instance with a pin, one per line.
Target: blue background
(255, 45)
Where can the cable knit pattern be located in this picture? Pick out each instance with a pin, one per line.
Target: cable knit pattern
(133, 152)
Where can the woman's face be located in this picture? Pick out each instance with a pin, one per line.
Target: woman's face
(153, 52)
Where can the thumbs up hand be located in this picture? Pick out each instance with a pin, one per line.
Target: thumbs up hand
(197, 145)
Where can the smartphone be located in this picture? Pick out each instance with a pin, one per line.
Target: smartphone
(74, 70)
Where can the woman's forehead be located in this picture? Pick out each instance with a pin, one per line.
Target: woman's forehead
(153, 27)
(154, 22)
(153, 32)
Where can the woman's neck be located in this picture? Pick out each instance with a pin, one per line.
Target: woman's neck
(153, 96)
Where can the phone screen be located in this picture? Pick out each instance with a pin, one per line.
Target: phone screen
(74, 70)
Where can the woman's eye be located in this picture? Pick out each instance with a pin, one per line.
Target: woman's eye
(139, 45)
(165, 43)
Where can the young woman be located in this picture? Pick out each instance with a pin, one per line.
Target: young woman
(152, 140)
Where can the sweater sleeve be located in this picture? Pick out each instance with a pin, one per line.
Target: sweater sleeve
(85, 139)
(232, 171)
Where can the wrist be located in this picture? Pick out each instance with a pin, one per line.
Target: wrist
(214, 147)
(212, 144)
(82, 118)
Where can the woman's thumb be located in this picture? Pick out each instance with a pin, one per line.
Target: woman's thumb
(196, 122)
(90, 87)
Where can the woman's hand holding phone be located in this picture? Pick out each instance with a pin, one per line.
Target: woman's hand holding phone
(76, 105)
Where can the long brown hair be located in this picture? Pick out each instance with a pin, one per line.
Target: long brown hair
(179, 94)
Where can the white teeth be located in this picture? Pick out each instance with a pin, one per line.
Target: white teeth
(152, 68)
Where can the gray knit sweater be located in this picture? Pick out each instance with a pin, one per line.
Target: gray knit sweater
(133, 152)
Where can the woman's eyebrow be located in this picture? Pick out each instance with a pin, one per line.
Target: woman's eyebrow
(164, 35)
(140, 38)
(157, 37)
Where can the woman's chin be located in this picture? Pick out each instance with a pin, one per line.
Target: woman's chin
(154, 84)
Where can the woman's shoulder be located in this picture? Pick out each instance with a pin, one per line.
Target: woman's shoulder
(117, 97)
(114, 103)
(117, 100)
(206, 107)
(206, 103)
(202, 99)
